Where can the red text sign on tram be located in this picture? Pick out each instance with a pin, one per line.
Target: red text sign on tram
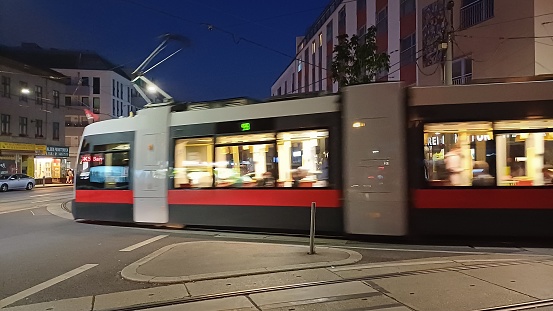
(85, 158)
(97, 159)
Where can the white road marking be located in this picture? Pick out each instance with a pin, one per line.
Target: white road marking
(148, 241)
(32, 202)
(38, 195)
(32, 212)
(37, 288)
(18, 210)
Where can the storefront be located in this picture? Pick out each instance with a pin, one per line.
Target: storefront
(19, 157)
(52, 164)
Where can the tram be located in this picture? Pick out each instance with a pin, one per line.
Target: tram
(378, 159)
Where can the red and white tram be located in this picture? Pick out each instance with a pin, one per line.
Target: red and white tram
(380, 159)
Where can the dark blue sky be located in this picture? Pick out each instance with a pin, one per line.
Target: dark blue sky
(126, 31)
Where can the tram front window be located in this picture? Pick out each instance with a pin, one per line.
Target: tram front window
(103, 170)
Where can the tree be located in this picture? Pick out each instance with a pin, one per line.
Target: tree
(356, 60)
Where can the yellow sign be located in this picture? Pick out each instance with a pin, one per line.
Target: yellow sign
(18, 146)
(40, 149)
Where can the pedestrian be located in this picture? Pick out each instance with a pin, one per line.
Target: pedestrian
(70, 173)
(67, 176)
(454, 165)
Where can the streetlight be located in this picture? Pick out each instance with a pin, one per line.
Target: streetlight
(25, 91)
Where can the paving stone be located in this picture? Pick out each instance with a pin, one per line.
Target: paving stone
(533, 279)
(140, 296)
(259, 281)
(450, 291)
(286, 297)
(73, 304)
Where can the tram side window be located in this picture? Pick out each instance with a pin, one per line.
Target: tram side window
(107, 170)
(193, 163)
(246, 161)
(459, 154)
(524, 153)
(303, 158)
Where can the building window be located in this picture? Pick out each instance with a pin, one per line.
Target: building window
(342, 21)
(84, 81)
(361, 5)
(313, 47)
(67, 100)
(462, 71)
(117, 88)
(475, 12)
(56, 96)
(113, 107)
(38, 94)
(407, 7)
(85, 101)
(408, 49)
(96, 104)
(293, 82)
(320, 39)
(23, 126)
(38, 128)
(96, 85)
(56, 131)
(382, 21)
(6, 87)
(113, 87)
(329, 34)
(23, 91)
(128, 94)
(5, 129)
(361, 33)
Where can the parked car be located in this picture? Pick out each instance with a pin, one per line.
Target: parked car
(16, 181)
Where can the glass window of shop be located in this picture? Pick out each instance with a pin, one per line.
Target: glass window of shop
(243, 161)
(303, 158)
(459, 154)
(193, 163)
(106, 167)
(524, 152)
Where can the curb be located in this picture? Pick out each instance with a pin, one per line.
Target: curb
(130, 272)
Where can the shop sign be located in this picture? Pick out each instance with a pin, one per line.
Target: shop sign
(40, 149)
(56, 151)
(17, 146)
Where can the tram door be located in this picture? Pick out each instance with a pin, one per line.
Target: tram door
(150, 170)
(375, 172)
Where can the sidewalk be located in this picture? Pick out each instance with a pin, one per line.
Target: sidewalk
(39, 185)
(224, 275)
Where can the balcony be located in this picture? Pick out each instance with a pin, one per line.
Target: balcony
(476, 12)
(79, 90)
(464, 79)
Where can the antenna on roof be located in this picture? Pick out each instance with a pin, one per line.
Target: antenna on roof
(148, 89)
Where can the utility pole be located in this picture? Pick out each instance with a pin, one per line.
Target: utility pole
(448, 72)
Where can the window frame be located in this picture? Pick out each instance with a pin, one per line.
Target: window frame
(5, 121)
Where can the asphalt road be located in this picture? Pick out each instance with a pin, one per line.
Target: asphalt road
(36, 246)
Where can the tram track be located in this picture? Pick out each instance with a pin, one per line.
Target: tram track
(542, 303)
(464, 267)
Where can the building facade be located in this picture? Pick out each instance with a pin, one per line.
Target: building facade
(32, 127)
(96, 89)
(491, 39)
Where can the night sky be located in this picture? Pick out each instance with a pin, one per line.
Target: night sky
(127, 31)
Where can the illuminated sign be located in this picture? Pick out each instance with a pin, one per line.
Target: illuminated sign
(245, 126)
(85, 158)
(97, 159)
